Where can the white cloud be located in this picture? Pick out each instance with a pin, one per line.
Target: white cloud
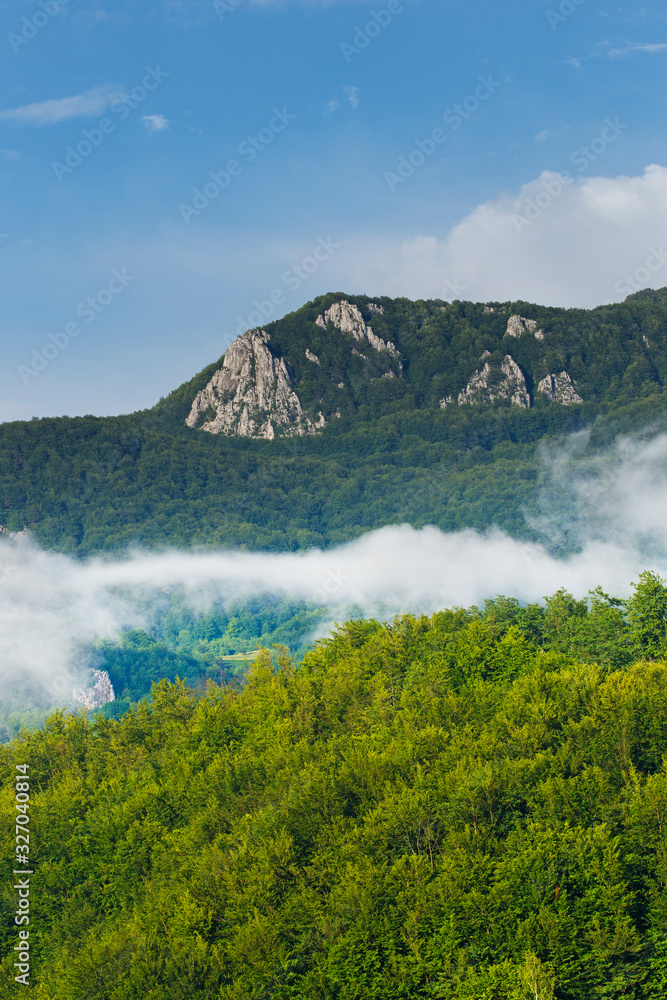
(334, 105)
(541, 136)
(616, 49)
(631, 47)
(581, 249)
(352, 95)
(87, 105)
(155, 123)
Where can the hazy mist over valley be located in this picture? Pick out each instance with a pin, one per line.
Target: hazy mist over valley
(608, 507)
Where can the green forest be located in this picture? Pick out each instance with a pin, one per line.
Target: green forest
(99, 484)
(467, 806)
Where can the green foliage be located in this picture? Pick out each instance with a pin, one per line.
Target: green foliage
(647, 613)
(439, 807)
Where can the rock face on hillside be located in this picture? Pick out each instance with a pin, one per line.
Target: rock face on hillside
(559, 389)
(482, 389)
(101, 693)
(251, 395)
(517, 325)
(338, 356)
(347, 318)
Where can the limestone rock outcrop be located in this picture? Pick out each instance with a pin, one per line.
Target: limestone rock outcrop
(559, 389)
(516, 325)
(511, 386)
(347, 318)
(101, 693)
(251, 395)
(312, 357)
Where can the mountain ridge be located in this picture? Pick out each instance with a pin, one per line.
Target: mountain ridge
(517, 352)
(387, 450)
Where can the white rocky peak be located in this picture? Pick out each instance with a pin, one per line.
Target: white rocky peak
(347, 318)
(101, 693)
(251, 395)
(374, 308)
(516, 325)
(559, 389)
(312, 357)
(512, 386)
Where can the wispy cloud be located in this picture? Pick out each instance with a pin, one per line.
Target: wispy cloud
(631, 47)
(334, 105)
(617, 49)
(87, 105)
(352, 94)
(155, 123)
(541, 136)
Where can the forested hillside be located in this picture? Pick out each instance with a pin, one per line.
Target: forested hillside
(465, 806)
(394, 454)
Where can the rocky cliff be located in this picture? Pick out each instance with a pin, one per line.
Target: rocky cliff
(300, 373)
(347, 318)
(508, 384)
(559, 389)
(518, 325)
(251, 395)
(101, 693)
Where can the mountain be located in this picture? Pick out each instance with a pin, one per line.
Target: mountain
(326, 360)
(296, 379)
(345, 415)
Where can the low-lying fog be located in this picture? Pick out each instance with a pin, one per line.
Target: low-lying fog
(611, 506)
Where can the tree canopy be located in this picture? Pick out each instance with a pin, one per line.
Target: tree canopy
(455, 806)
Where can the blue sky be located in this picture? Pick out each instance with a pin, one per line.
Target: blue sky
(549, 185)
